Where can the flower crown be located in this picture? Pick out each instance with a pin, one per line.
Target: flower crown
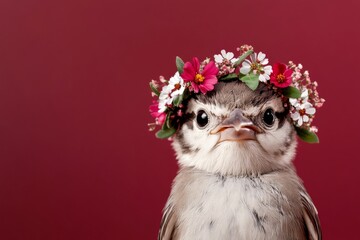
(297, 91)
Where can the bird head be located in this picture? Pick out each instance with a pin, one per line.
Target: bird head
(236, 120)
(234, 130)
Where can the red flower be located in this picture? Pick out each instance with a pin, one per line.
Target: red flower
(154, 112)
(200, 80)
(281, 75)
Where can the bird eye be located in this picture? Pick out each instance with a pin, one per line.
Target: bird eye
(269, 117)
(202, 118)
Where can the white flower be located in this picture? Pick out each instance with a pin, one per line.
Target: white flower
(302, 113)
(169, 92)
(177, 85)
(164, 98)
(258, 66)
(225, 55)
(265, 75)
(260, 58)
(303, 98)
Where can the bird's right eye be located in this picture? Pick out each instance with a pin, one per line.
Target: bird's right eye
(269, 117)
(202, 119)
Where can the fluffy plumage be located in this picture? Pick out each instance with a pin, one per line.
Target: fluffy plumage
(237, 189)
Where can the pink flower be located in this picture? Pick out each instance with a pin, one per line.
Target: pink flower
(154, 112)
(281, 75)
(200, 79)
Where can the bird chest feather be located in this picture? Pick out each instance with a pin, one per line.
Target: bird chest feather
(217, 207)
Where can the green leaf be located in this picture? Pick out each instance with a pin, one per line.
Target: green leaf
(186, 94)
(306, 135)
(251, 80)
(181, 98)
(154, 89)
(179, 64)
(291, 92)
(165, 133)
(177, 100)
(167, 123)
(242, 57)
(229, 77)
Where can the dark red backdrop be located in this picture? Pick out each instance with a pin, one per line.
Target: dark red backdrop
(76, 159)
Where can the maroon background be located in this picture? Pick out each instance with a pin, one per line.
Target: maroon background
(76, 159)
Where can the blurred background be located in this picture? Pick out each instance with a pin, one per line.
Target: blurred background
(76, 158)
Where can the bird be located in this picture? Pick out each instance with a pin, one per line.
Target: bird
(236, 177)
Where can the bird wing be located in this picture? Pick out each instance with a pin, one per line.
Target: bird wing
(168, 221)
(311, 219)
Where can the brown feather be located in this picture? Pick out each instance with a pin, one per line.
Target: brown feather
(311, 219)
(167, 226)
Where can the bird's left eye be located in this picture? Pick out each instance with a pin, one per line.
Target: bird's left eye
(269, 117)
(202, 118)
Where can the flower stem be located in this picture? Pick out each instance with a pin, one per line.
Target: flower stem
(242, 57)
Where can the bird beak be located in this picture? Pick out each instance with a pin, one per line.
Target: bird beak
(236, 128)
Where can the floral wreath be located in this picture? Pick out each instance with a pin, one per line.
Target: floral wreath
(297, 91)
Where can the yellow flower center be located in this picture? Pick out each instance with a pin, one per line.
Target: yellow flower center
(280, 78)
(254, 66)
(302, 112)
(199, 78)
